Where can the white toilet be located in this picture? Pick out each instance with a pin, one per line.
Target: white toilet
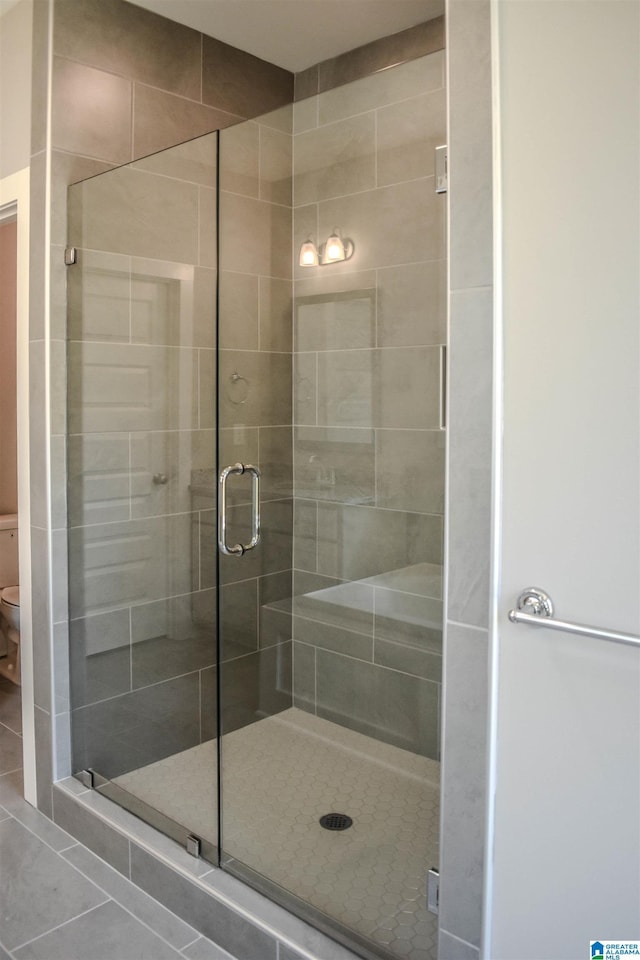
(9, 599)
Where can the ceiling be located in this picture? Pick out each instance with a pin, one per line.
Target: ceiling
(296, 33)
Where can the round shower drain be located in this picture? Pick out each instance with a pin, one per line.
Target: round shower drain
(335, 821)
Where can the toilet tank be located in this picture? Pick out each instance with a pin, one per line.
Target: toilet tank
(8, 550)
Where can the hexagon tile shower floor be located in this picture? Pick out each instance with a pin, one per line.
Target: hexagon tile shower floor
(281, 775)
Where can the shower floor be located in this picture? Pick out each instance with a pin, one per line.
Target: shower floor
(280, 775)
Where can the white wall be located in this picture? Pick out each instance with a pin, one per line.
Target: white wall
(15, 87)
(566, 740)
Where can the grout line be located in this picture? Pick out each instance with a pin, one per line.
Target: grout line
(5, 773)
(71, 846)
(123, 905)
(360, 193)
(66, 922)
(17, 733)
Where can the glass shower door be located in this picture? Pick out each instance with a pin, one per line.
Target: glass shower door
(142, 486)
(331, 627)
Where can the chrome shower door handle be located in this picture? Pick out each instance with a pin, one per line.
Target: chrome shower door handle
(255, 506)
(238, 549)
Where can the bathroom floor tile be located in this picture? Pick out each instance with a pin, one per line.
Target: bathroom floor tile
(40, 890)
(10, 706)
(57, 898)
(111, 931)
(10, 750)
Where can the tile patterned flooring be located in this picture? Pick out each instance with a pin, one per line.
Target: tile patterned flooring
(58, 901)
(279, 776)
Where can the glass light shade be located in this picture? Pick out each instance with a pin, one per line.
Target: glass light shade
(333, 250)
(309, 254)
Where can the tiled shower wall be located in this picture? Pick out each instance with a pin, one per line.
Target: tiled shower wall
(369, 442)
(255, 412)
(159, 84)
(469, 494)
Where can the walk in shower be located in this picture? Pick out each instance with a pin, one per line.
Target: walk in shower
(233, 697)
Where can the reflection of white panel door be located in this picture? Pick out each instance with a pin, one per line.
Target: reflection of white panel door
(132, 398)
(566, 852)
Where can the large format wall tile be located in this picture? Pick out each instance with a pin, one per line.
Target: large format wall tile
(403, 223)
(256, 686)
(330, 637)
(374, 57)
(256, 237)
(194, 161)
(240, 160)
(405, 149)
(412, 304)
(387, 705)
(145, 725)
(135, 212)
(335, 464)
(76, 124)
(470, 455)
(336, 320)
(68, 168)
(470, 146)
(335, 160)
(162, 118)
(373, 92)
(276, 319)
(276, 463)
(410, 470)
(130, 41)
(276, 149)
(241, 83)
(238, 310)
(356, 542)
(99, 657)
(466, 677)
(384, 388)
(262, 397)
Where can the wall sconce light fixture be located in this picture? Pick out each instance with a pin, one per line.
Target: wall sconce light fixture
(334, 250)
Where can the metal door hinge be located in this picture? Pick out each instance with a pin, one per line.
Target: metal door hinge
(433, 890)
(70, 256)
(193, 845)
(442, 169)
(87, 778)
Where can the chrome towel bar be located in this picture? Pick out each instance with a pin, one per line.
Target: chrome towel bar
(535, 606)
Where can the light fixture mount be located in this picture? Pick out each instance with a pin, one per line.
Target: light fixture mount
(333, 250)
